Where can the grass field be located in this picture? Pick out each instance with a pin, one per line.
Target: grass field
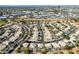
(3, 22)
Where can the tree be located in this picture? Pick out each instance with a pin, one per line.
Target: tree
(68, 47)
(44, 50)
(18, 50)
(26, 50)
(66, 37)
(77, 43)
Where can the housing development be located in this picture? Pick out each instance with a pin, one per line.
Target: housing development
(39, 29)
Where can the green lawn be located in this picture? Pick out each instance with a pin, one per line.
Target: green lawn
(3, 22)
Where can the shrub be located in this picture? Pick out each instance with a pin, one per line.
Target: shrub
(71, 52)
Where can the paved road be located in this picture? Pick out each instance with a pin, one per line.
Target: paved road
(6, 38)
(24, 38)
(42, 36)
(17, 42)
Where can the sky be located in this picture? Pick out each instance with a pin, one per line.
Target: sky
(39, 2)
